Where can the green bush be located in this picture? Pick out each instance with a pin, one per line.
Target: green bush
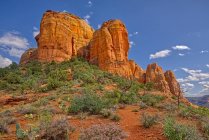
(205, 128)
(117, 96)
(152, 100)
(88, 102)
(106, 113)
(148, 120)
(174, 131)
(115, 117)
(128, 98)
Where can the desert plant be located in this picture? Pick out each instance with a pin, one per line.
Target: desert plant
(3, 127)
(103, 132)
(27, 110)
(152, 100)
(115, 117)
(20, 133)
(88, 102)
(58, 128)
(142, 105)
(175, 131)
(205, 128)
(106, 113)
(148, 120)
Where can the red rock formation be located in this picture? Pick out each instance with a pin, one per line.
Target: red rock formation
(173, 83)
(155, 74)
(137, 72)
(29, 55)
(109, 48)
(62, 36)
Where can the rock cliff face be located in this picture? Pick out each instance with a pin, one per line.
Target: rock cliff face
(29, 55)
(109, 48)
(155, 74)
(64, 35)
(172, 83)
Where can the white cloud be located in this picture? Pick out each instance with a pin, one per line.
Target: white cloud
(205, 85)
(133, 34)
(181, 54)
(65, 11)
(99, 26)
(13, 43)
(12, 39)
(90, 3)
(132, 43)
(136, 33)
(193, 75)
(4, 62)
(181, 47)
(204, 51)
(160, 54)
(86, 18)
(207, 65)
(35, 31)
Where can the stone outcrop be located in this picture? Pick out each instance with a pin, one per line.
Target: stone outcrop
(63, 36)
(155, 74)
(28, 56)
(173, 83)
(109, 48)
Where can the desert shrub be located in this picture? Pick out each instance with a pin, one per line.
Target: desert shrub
(117, 96)
(170, 106)
(13, 78)
(148, 120)
(45, 117)
(82, 115)
(27, 110)
(189, 111)
(152, 100)
(3, 127)
(113, 97)
(9, 120)
(128, 98)
(106, 113)
(205, 128)
(142, 105)
(33, 68)
(115, 117)
(82, 71)
(175, 131)
(41, 102)
(4, 85)
(103, 132)
(123, 83)
(87, 102)
(57, 129)
(6, 113)
(20, 133)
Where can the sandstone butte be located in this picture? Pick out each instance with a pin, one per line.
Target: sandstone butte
(63, 35)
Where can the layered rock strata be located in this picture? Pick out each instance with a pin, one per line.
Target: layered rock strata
(63, 36)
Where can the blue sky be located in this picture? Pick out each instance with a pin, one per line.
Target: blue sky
(173, 33)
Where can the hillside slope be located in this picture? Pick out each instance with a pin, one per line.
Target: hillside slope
(76, 100)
